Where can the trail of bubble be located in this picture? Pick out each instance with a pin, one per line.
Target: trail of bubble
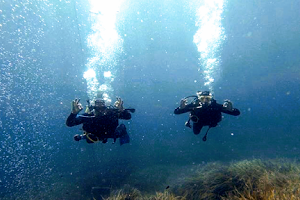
(105, 44)
(209, 38)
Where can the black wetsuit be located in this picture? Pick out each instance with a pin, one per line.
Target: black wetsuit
(209, 115)
(103, 126)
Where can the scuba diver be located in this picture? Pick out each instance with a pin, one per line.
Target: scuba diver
(204, 111)
(100, 122)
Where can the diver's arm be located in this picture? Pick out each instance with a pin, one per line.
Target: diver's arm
(227, 108)
(125, 115)
(122, 114)
(234, 112)
(179, 110)
(186, 108)
(73, 120)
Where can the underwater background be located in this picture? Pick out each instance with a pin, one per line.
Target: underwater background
(151, 54)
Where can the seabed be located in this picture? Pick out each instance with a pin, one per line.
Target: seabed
(256, 179)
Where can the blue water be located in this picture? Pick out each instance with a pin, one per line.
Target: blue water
(44, 53)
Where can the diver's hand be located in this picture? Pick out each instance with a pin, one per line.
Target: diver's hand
(228, 105)
(119, 104)
(183, 103)
(76, 106)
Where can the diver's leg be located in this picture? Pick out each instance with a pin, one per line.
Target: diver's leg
(197, 128)
(104, 140)
(120, 130)
(122, 134)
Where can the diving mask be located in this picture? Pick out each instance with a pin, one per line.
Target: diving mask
(204, 97)
(98, 103)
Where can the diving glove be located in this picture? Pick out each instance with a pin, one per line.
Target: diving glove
(183, 103)
(188, 124)
(76, 106)
(228, 105)
(77, 137)
(119, 104)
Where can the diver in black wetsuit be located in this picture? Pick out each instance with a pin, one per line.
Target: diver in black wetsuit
(100, 122)
(205, 111)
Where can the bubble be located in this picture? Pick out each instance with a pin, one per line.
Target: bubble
(105, 44)
(107, 74)
(209, 37)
